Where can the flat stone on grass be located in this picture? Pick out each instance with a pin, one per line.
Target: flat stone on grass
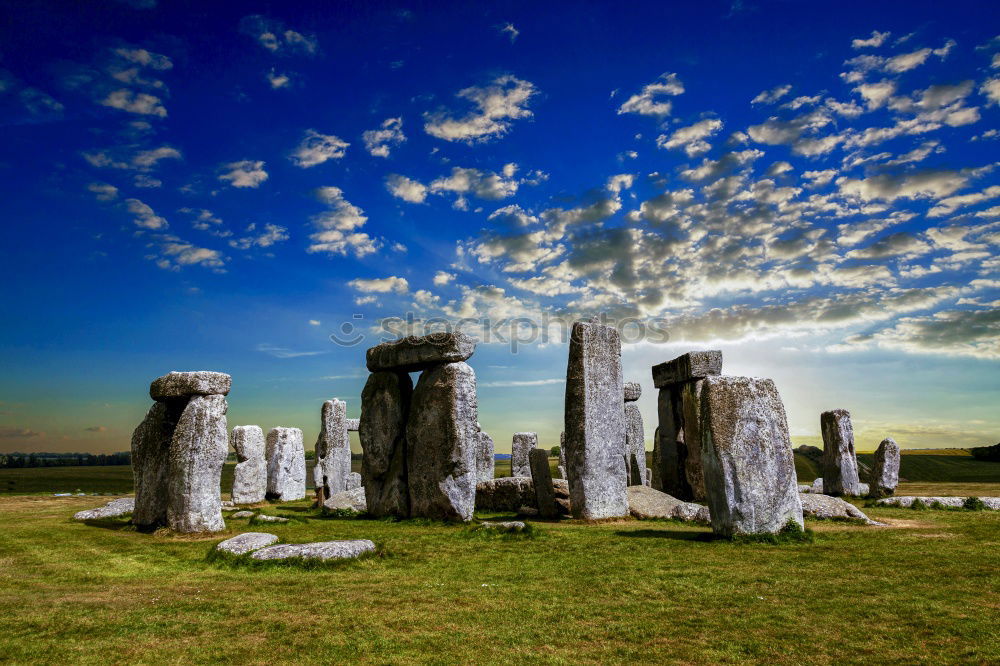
(242, 514)
(646, 503)
(320, 550)
(350, 500)
(271, 519)
(246, 542)
(503, 526)
(826, 507)
(113, 509)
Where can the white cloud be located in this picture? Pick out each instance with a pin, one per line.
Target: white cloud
(314, 322)
(441, 278)
(365, 300)
(505, 99)
(277, 80)
(483, 184)
(771, 96)
(405, 188)
(650, 102)
(933, 184)
(271, 234)
(523, 382)
(510, 31)
(991, 90)
(175, 254)
(276, 37)
(284, 352)
(103, 191)
(133, 102)
(145, 217)
(876, 94)
(337, 227)
(379, 142)
(973, 333)
(144, 58)
(244, 173)
(691, 138)
(148, 159)
(875, 41)
(949, 205)
(384, 285)
(317, 148)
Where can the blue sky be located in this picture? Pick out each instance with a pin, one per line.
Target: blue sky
(811, 187)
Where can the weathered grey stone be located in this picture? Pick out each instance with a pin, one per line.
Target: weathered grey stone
(250, 474)
(840, 465)
(185, 384)
(561, 489)
(242, 514)
(863, 489)
(413, 353)
(562, 454)
(654, 473)
(354, 481)
(228, 504)
(247, 542)
(647, 503)
(992, 503)
(385, 406)
(747, 457)
(151, 463)
(353, 500)
(817, 486)
(541, 480)
(271, 519)
(804, 488)
(507, 493)
(353, 425)
(826, 507)
(595, 423)
(691, 421)
(485, 457)
(635, 445)
(885, 473)
(649, 478)
(333, 449)
(198, 449)
(503, 526)
(286, 465)
(687, 367)
(523, 443)
(633, 391)
(670, 452)
(442, 438)
(321, 550)
(113, 509)
(562, 471)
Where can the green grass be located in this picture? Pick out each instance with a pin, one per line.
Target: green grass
(924, 591)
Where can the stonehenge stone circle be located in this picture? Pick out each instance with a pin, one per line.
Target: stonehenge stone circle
(595, 423)
(385, 406)
(885, 471)
(541, 479)
(413, 353)
(250, 475)
(333, 449)
(747, 456)
(442, 439)
(523, 443)
(286, 465)
(840, 466)
(485, 456)
(178, 451)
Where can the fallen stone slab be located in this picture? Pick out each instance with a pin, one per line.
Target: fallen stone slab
(246, 542)
(503, 526)
(646, 503)
(827, 507)
(113, 509)
(242, 514)
(351, 500)
(271, 519)
(507, 493)
(992, 503)
(320, 550)
(185, 384)
(688, 367)
(412, 353)
(633, 391)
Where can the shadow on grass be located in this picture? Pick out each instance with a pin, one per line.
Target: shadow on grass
(114, 524)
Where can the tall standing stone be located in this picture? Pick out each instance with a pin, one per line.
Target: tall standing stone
(840, 465)
(333, 449)
(671, 455)
(150, 463)
(521, 447)
(654, 472)
(250, 475)
(541, 479)
(485, 456)
(635, 436)
(385, 406)
(747, 456)
(562, 455)
(885, 471)
(286, 465)
(595, 423)
(441, 437)
(198, 450)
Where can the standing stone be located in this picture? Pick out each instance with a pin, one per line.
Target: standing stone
(250, 475)
(595, 423)
(198, 450)
(385, 406)
(333, 449)
(632, 391)
(670, 458)
(562, 455)
(635, 445)
(441, 439)
(353, 481)
(885, 471)
(691, 418)
(649, 478)
(286, 465)
(747, 456)
(353, 424)
(150, 463)
(485, 457)
(541, 478)
(523, 443)
(840, 466)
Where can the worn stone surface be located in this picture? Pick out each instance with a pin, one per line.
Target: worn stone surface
(354, 481)
(286, 465)
(562, 454)
(320, 550)
(175, 385)
(333, 449)
(485, 457)
(670, 450)
(817, 486)
(353, 500)
(242, 514)
(250, 474)
(503, 526)
(541, 480)
(649, 478)
(826, 507)
(840, 465)
(198, 449)
(247, 542)
(442, 438)
(271, 519)
(412, 353)
(688, 367)
(113, 509)
(561, 489)
(507, 493)
(635, 445)
(595, 423)
(647, 503)
(885, 471)
(150, 463)
(747, 457)
(523, 443)
(992, 503)
(353, 424)
(633, 391)
(385, 405)
(804, 488)
(691, 423)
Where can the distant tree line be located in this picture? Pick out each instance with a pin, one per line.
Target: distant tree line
(990, 453)
(20, 460)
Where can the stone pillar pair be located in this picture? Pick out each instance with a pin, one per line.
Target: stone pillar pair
(420, 444)
(840, 463)
(635, 436)
(178, 451)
